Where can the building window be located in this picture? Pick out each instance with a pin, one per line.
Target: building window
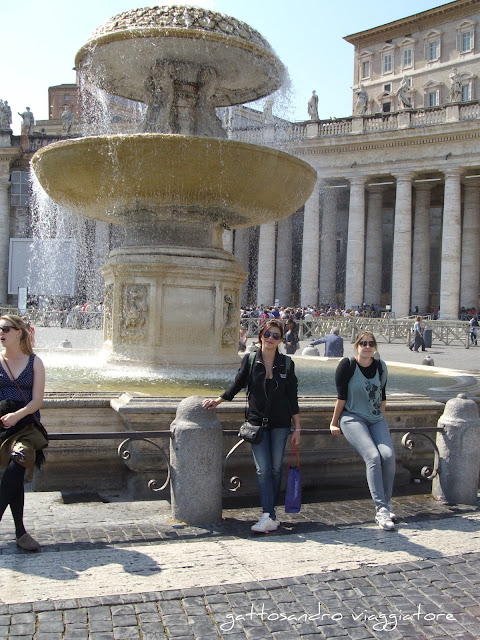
(433, 99)
(386, 107)
(387, 87)
(66, 98)
(466, 36)
(467, 41)
(433, 50)
(365, 69)
(466, 93)
(20, 188)
(407, 58)
(387, 63)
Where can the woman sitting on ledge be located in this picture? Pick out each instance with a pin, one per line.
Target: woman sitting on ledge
(359, 415)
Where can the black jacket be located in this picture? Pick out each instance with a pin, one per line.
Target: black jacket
(284, 402)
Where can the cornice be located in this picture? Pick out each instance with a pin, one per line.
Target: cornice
(8, 154)
(414, 23)
(351, 146)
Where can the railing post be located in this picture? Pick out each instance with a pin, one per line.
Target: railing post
(459, 452)
(196, 464)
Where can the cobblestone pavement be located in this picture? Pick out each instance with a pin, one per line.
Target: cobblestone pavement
(435, 595)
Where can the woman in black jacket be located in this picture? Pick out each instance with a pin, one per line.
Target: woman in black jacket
(270, 378)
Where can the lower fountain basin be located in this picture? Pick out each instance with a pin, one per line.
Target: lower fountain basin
(88, 372)
(116, 178)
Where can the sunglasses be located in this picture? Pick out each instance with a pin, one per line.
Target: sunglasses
(367, 343)
(275, 336)
(6, 328)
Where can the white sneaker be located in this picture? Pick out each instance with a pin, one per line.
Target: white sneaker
(265, 524)
(393, 516)
(383, 520)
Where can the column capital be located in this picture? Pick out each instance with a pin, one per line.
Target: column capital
(454, 172)
(404, 176)
(357, 180)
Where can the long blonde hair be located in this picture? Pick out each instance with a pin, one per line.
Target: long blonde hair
(20, 324)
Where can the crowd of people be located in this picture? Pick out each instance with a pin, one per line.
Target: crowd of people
(310, 312)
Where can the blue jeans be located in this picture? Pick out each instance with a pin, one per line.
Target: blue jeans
(374, 444)
(268, 457)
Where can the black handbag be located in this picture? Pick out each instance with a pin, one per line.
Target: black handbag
(252, 433)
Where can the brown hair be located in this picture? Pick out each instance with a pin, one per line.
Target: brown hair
(362, 337)
(278, 324)
(20, 324)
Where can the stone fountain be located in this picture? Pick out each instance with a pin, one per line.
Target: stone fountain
(172, 293)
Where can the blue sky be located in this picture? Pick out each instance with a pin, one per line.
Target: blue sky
(40, 40)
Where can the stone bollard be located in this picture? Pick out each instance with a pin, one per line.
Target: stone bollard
(310, 351)
(196, 463)
(428, 361)
(459, 449)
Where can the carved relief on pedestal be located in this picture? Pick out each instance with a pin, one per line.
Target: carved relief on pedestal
(230, 318)
(107, 312)
(134, 323)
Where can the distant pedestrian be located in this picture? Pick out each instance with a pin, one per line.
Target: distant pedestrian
(473, 330)
(418, 329)
(333, 344)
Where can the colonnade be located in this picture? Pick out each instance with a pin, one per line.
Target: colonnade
(410, 259)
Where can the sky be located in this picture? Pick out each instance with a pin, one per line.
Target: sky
(41, 37)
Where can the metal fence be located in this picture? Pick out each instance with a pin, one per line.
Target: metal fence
(385, 329)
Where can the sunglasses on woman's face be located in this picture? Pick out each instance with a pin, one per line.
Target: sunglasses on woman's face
(367, 343)
(6, 328)
(269, 334)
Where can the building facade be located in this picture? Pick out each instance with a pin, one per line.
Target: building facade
(395, 215)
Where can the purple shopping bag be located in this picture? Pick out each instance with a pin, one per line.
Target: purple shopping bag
(293, 493)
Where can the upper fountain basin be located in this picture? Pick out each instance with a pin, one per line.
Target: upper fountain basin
(119, 55)
(111, 178)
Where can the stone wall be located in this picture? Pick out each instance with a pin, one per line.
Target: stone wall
(93, 465)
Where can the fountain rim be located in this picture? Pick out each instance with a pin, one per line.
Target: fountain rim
(173, 32)
(141, 33)
(239, 210)
(111, 137)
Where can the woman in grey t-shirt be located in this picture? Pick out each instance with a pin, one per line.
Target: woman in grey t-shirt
(359, 415)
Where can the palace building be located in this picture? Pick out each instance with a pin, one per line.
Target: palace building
(395, 215)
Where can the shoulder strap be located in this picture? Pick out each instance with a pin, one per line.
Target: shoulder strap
(251, 360)
(288, 362)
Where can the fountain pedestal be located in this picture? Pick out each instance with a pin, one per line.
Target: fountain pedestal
(173, 305)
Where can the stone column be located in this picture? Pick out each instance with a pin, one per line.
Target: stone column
(283, 280)
(4, 237)
(421, 248)
(373, 246)
(266, 264)
(469, 287)
(458, 447)
(241, 254)
(328, 248)
(227, 238)
(310, 249)
(355, 244)
(196, 464)
(402, 246)
(451, 246)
